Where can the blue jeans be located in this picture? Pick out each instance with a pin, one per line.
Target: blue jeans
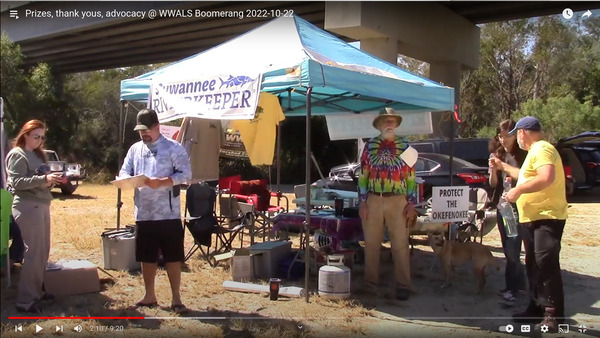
(514, 273)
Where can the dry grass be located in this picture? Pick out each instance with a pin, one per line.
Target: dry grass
(77, 223)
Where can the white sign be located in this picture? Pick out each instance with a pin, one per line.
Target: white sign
(351, 126)
(450, 204)
(168, 131)
(228, 97)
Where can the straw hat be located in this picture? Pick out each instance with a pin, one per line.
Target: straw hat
(385, 113)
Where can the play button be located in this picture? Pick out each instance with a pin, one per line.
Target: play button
(38, 328)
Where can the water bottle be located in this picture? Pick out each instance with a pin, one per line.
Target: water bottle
(507, 212)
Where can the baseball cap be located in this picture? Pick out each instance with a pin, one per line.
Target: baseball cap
(146, 119)
(527, 123)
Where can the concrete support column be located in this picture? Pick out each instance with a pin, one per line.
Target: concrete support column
(447, 73)
(384, 48)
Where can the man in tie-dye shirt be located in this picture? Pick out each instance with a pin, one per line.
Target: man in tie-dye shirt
(388, 193)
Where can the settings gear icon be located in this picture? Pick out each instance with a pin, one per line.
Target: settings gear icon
(544, 328)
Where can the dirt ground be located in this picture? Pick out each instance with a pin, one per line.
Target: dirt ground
(78, 221)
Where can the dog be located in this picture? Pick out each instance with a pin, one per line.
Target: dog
(452, 254)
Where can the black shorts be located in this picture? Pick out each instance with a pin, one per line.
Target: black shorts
(164, 235)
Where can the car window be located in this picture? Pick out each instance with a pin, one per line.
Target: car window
(420, 165)
(471, 150)
(423, 147)
(51, 156)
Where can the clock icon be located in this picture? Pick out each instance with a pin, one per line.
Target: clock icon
(567, 13)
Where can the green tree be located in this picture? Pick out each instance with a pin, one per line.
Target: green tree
(562, 116)
(33, 94)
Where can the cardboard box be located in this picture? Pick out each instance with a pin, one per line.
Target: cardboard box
(75, 277)
(119, 251)
(242, 265)
(267, 257)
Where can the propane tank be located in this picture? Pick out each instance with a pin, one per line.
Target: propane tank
(334, 278)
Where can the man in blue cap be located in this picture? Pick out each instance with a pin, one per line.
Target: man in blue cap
(541, 201)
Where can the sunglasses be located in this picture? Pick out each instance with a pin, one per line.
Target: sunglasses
(37, 137)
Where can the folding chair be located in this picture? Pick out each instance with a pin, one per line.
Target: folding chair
(256, 193)
(203, 223)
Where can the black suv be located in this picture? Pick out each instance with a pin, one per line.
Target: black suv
(474, 150)
(581, 159)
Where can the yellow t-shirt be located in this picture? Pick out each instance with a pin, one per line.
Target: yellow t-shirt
(258, 134)
(551, 202)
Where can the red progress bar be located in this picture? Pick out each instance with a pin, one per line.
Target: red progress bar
(76, 317)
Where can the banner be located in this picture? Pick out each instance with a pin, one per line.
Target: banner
(352, 126)
(228, 97)
(232, 146)
(169, 131)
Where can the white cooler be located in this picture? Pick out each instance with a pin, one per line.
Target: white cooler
(119, 250)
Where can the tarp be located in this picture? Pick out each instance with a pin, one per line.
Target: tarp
(292, 54)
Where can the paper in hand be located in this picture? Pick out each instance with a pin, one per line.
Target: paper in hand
(409, 156)
(130, 182)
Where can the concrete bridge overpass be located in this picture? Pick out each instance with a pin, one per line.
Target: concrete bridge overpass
(76, 36)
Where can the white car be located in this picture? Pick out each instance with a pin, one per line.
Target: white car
(71, 172)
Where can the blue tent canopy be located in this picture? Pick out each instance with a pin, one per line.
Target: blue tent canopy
(293, 55)
(312, 72)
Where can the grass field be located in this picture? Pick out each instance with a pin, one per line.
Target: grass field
(78, 221)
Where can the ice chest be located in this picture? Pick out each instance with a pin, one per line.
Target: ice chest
(242, 265)
(119, 250)
(74, 277)
(267, 255)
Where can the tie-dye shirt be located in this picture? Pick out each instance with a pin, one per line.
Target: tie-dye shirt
(383, 171)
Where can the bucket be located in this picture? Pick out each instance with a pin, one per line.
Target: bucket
(118, 247)
(334, 278)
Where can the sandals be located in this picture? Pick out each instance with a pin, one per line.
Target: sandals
(142, 304)
(35, 308)
(179, 308)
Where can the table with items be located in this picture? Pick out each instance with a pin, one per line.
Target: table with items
(338, 227)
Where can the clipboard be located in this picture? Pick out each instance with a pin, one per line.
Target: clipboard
(130, 182)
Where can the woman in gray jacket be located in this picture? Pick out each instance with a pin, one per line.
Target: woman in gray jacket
(30, 180)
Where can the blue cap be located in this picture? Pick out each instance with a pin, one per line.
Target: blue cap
(527, 123)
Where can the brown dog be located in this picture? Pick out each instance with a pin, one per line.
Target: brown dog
(454, 253)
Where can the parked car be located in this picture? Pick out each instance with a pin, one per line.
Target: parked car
(474, 150)
(434, 169)
(581, 159)
(71, 172)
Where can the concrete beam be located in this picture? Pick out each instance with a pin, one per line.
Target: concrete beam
(425, 31)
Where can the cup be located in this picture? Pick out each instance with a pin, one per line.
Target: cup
(274, 288)
(339, 206)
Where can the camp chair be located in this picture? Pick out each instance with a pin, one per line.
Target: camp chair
(256, 193)
(203, 223)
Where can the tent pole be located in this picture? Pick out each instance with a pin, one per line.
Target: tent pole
(307, 194)
(278, 130)
(120, 131)
(451, 159)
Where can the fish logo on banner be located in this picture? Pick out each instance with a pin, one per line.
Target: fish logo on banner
(226, 97)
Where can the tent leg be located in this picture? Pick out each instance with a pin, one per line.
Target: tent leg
(278, 163)
(120, 131)
(307, 194)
